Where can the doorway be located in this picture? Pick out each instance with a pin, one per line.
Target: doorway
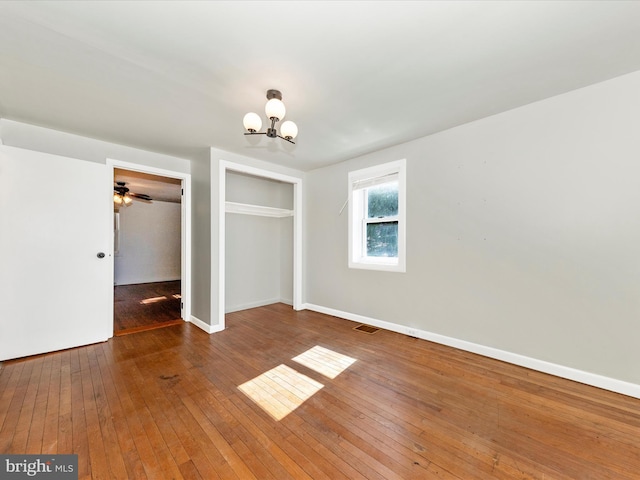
(151, 250)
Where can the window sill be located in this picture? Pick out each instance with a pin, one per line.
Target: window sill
(384, 266)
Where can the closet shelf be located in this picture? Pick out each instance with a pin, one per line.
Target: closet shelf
(247, 209)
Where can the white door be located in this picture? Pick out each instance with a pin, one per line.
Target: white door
(55, 290)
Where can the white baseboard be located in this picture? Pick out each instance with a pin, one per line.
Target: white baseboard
(595, 380)
(205, 326)
(246, 306)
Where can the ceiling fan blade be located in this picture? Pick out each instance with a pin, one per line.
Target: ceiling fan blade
(141, 196)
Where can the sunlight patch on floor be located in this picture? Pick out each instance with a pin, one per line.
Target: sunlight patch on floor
(280, 390)
(147, 301)
(325, 361)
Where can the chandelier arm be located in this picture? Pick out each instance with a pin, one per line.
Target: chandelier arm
(286, 139)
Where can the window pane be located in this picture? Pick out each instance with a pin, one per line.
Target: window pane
(382, 239)
(383, 200)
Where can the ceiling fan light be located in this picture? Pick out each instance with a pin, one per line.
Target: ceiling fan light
(275, 109)
(127, 200)
(117, 199)
(252, 122)
(289, 130)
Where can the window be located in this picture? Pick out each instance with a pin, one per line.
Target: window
(377, 217)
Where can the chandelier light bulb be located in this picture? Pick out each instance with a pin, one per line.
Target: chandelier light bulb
(289, 130)
(252, 122)
(275, 109)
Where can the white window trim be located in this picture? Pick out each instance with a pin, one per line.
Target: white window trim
(356, 242)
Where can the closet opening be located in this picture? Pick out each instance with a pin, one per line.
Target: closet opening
(260, 239)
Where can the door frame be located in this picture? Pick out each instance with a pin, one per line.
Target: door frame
(185, 220)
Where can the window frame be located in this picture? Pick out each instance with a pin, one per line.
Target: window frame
(359, 181)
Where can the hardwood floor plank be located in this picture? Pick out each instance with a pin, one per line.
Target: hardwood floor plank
(11, 400)
(167, 403)
(169, 428)
(237, 436)
(157, 427)
(117, 398)
(65, 424)
(113, 453)
(226, 450)
(137, 415)
(52, 407)
(207, 460)
(23, 424)
(36, 429)
(257, 436)
(78, 419)
(189, 471)
(95, 438)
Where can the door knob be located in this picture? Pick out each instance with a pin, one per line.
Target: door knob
(100, 255)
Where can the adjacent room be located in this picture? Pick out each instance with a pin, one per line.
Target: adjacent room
(320, 240)
(147, 251)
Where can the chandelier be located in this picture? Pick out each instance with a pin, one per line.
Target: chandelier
(275, 112)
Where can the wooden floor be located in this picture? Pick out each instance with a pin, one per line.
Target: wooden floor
(177, 403)
(145, 305)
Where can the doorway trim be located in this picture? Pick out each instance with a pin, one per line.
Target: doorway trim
(225, 166)
(185, 228)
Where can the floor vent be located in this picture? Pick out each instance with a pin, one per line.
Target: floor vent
(366, 329)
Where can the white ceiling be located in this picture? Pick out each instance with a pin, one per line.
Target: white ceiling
(177, 77)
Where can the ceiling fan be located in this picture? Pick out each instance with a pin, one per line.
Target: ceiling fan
(122, 195)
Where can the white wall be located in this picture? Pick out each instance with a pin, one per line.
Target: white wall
(150, 237)
(254, 190)
(252, 260)
(522, 233)
(285, 236)
(201, 239)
